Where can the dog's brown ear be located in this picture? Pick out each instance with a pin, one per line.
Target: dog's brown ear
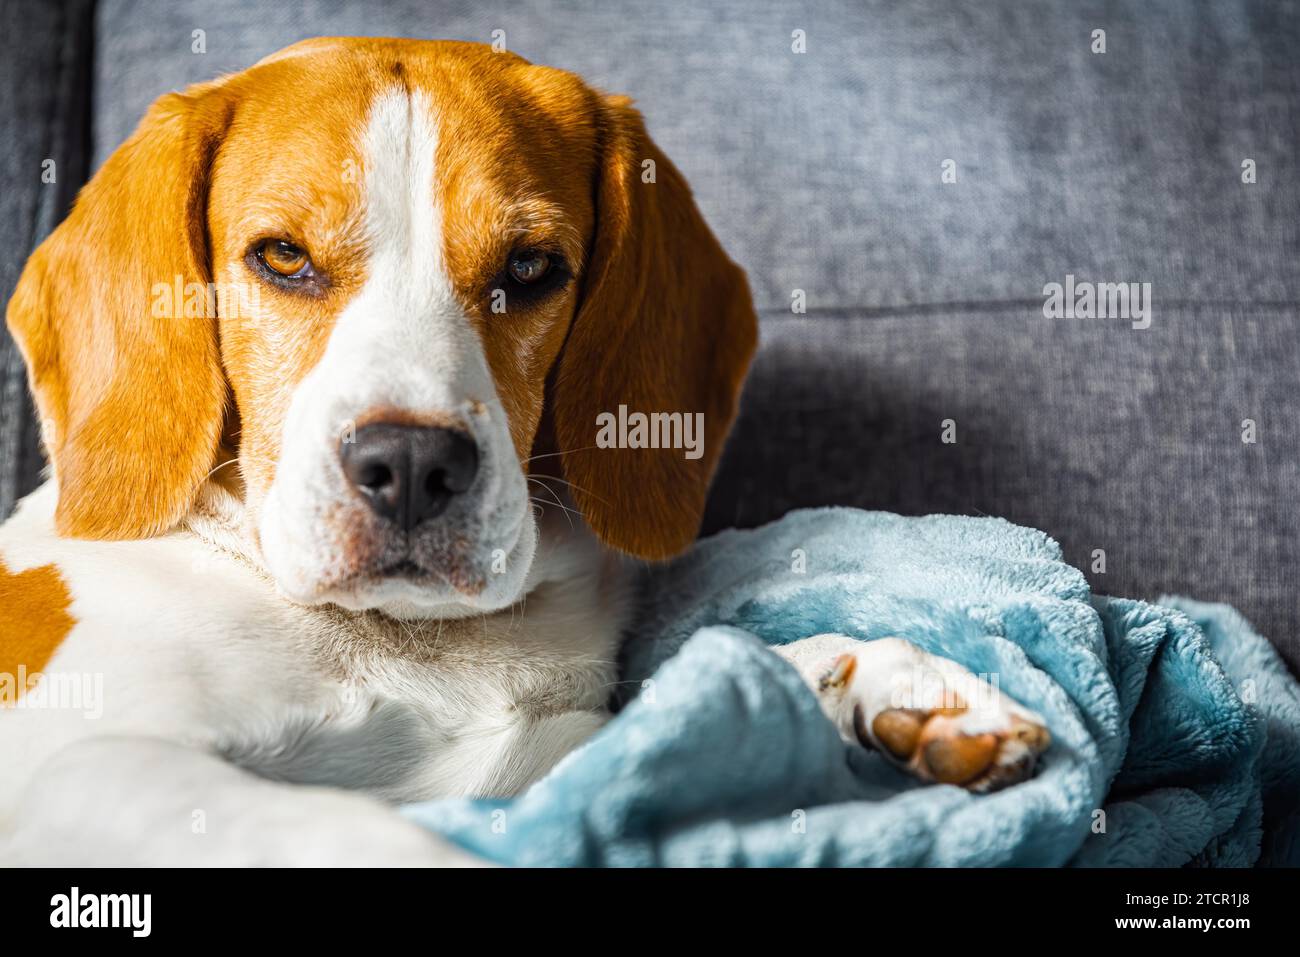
(665, 324)
(127, 379)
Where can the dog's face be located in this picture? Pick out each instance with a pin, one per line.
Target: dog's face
(389, 273)
(386, 408)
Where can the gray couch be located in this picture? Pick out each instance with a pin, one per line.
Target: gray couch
(821, 172)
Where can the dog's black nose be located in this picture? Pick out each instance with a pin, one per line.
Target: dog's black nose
(409, 473)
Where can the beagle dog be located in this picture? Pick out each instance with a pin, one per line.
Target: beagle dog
(321, 356)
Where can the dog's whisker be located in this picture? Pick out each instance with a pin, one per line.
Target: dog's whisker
(220, 467)
(573, 485)
(569, 513)
(545, 505)
(556, 499)
(551, 455)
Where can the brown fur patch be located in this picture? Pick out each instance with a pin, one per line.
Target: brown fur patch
(426, 420)
(130, 401)
(34, 618)
(666, 324)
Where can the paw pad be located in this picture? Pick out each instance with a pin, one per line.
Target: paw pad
(933, 745)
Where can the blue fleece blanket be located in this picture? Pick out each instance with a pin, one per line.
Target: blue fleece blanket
(1176, 729)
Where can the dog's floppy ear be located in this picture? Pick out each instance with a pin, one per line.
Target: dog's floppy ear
(665, 324)
(130, 395)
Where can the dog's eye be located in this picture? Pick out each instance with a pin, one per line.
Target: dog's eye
(529, 266)
(284, 258)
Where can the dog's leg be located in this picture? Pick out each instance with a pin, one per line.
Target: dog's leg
(144, 802)
(924, 713)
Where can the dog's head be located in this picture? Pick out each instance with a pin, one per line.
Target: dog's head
(391, 274)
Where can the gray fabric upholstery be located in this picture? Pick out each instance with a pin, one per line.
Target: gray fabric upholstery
(45, 63)
(821, 172)
(1088, 432)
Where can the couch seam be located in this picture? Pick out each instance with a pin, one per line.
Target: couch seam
(992, 305)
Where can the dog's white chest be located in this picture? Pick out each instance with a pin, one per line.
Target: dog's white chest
(411, 710)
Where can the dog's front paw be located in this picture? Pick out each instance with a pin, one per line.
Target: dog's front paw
(926, 714)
